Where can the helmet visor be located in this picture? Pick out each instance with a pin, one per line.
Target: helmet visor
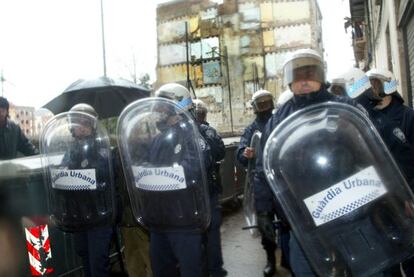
(306, 68)
(263, 103)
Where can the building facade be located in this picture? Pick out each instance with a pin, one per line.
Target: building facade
(24, 117)
(225, 52)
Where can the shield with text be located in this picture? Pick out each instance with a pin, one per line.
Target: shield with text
(162, 156)
(78, 168)
(350, 208)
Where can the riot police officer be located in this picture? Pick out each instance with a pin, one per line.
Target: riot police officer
(92, 236)
(338, 87)
(391, 104)
(304, 73)
(262, 103)
(384, 85)
(359, 87)
(182, 250)
(213, 244)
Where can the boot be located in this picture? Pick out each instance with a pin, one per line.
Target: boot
(270, 267)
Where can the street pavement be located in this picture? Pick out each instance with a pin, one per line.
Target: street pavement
(243, 254)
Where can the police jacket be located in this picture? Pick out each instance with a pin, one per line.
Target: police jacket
(87, 154)
(291, 106)
(217, 151)
(401, 120)
(402, 116)
(176, 145)
(84, 209)
(257, 125)
(13, 140)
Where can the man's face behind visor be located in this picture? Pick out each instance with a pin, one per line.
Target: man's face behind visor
(163, 114)
(82, 128)
(306, 79)
(264, 104)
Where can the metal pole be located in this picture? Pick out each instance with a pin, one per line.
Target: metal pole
(229, 88)
(103, 38)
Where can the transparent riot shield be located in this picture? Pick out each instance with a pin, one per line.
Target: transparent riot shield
(79, 173)
(248, 194)
(345, 198)
(162, 156)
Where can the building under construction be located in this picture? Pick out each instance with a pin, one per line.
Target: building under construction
(225, 52)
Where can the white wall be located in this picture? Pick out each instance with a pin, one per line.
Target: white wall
(388, 19)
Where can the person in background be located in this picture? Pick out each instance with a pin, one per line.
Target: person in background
(12, 139)
(213, 244)
(262, 102)
(384, 85)
(92, 245)
(338, 87)
(391, 104)
(12, 143)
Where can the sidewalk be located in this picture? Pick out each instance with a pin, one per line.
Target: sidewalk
(243, 254)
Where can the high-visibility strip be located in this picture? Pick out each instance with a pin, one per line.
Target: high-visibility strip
(39, 250)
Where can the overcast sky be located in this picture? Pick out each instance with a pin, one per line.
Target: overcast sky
(48, 44)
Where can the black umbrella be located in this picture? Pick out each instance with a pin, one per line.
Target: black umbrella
(108, 96)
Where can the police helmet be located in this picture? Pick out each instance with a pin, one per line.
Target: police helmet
(82, 115)
(356, 82)
(85, 108)
(338, 86)
(303, 64)
(284, 97)
(387, 78)
(177, 93)
(380, 74)
(262, 100)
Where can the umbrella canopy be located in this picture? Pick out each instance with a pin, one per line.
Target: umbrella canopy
(108, 96)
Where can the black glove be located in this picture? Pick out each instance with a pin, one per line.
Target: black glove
(266, 226)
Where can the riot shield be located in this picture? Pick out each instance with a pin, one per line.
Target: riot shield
(345, 198)
(248, 194)
(162, 156)
(79, 173)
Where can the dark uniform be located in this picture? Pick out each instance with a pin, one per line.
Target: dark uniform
(93, 240)
(391, 124)
(262, 193)
(403, 117)
(294, 104)
(264, 202)
(181, 248)
(395, 144)
(213, 245)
